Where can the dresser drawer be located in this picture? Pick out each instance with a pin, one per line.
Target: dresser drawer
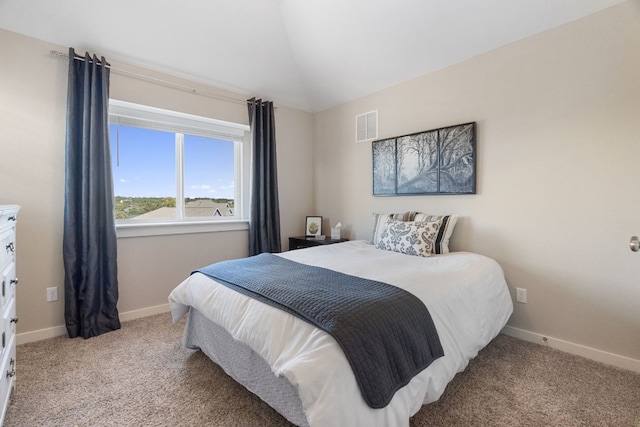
(8, 284)
(7, 377)
(8, 338)
(8, 328)
(7, 246)
(9, 321)
(8, 216)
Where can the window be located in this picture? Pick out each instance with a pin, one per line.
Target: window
(171, 167)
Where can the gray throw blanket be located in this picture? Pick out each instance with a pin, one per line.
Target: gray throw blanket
(386, 333)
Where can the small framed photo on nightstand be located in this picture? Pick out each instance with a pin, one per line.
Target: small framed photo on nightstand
(313, 226)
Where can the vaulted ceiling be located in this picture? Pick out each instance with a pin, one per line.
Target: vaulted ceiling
(305, 54)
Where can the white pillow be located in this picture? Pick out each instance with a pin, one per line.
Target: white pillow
(408, 237)
(441, 245)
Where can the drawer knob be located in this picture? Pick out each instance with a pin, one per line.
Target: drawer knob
(12, 372)
(14, 281)
(14, 320)
(12, 218)
(10, 247)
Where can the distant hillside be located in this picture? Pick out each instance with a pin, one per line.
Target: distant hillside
(131, 207)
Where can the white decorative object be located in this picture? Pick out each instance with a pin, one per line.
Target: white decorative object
(335, 232)
(8, 217)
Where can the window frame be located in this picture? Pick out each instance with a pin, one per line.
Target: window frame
(137, 115)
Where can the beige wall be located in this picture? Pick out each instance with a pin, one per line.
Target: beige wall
(33, 88)
(558, 125)
(32, 123)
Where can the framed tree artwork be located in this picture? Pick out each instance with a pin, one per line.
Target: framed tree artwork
(384, 167)
(438, 161)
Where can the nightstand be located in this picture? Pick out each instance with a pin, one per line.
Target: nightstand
(303, 242)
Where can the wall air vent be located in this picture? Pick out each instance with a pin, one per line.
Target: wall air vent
(367, 126)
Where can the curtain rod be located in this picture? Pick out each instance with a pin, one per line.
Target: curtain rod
(161, 82)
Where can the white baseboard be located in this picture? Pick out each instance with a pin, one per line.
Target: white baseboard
(144, 312)
(56, 331)
(40, 334)
(576, 349)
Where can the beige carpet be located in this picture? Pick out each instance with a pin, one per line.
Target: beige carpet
(141, 376)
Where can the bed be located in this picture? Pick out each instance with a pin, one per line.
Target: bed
(302, 372)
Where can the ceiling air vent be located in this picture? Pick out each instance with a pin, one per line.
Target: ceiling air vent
(367, 126)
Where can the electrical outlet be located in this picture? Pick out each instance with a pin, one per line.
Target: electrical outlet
(521, 295)
(52, 294)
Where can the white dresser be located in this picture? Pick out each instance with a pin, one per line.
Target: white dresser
(8, 218)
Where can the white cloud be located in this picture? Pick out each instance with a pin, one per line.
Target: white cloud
(228, 187)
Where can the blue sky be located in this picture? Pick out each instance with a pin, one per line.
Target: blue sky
(145, 165)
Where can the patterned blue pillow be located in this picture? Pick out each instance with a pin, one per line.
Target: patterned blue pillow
(379, 220)
(408, 237)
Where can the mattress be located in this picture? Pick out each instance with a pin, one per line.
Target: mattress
(465, 293)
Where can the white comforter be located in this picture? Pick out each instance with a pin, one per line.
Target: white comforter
(465, 293)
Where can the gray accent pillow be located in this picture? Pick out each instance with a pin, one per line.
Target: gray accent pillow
(441, 245)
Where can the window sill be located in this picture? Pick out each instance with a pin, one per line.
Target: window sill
(168, 228)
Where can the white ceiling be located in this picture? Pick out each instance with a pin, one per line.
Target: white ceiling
(306, 54)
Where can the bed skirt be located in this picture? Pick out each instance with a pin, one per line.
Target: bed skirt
(244, 365)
